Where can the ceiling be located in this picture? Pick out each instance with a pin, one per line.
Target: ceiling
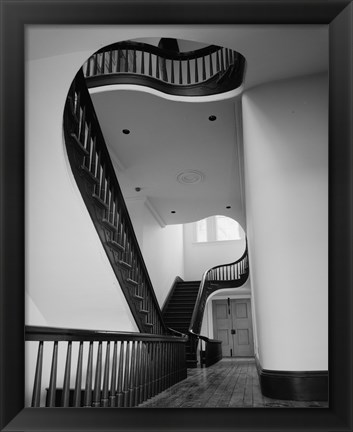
(171, 137)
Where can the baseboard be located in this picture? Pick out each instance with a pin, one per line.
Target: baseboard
(293, 385)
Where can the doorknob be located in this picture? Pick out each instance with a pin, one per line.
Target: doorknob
(232, 331)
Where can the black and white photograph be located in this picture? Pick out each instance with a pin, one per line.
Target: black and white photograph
(178, 225)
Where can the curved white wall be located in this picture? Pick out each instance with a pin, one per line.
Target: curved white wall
(68, 276)
(286, 176)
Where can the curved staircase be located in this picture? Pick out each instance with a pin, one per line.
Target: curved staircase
(178, 311)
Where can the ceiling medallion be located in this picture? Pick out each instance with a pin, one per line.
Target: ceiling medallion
(190, 177)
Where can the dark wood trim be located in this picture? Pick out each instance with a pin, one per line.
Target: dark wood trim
(293, 385)
(38, 333)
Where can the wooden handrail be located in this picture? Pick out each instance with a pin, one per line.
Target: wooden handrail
(162, 52)
(39, 333)
(96, 179)
(238, 278)
(206, 71)
(121, 369)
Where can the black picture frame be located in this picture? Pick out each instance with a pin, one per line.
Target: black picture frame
(338, 14)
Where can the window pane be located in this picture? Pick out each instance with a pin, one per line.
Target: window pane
(201, 231)
(227, 228)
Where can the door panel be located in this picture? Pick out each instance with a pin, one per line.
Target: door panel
(222, 330)
(232, 325)
(242, 323)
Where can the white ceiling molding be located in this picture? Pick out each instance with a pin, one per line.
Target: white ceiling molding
(150, 207)
(155, 213)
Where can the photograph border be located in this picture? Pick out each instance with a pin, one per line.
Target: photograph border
(15, 16)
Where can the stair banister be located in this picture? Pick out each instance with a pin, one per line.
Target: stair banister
(130, 62)
(130, 360)
(96, 179)
(206, 289)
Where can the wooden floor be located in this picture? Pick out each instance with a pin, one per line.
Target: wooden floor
(231, 383)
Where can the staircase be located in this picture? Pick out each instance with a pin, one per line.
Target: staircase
(178, 311)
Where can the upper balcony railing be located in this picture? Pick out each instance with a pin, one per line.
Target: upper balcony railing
(207, 71)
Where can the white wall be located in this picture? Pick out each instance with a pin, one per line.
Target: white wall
(162, 248)
(199, 257)
(68, 275)
(286, 175)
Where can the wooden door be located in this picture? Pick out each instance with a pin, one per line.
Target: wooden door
(232, 325)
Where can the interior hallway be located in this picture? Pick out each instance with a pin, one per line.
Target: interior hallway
(230, 383)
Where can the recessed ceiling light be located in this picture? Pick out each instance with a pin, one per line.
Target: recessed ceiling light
(212, 118)
(228, 207)
(137, 189)
(173, 211)
(126, 131)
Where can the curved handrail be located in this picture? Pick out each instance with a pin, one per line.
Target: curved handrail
(236, 272)
(206, 71)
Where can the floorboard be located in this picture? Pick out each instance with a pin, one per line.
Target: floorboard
(230, 383)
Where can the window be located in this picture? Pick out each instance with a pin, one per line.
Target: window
(217, 228)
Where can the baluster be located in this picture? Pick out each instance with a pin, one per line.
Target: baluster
(126, 60)
(110, 67)
(105, 393)
(134, 61)
(126, 375)
(231, 57)
(142, 63)
(38, 377)
(227, 58)
(157, 66)
(110, 205)
(153, 370)
(203, 69)
(165, 70)
(188, 71)
(77, 393)
(196, 71)
(88, 389)
(211, 64)
(53, 373)
(103, 63)
(92, 156)
(222, 60)
(95, 64)
(118, 61)
(164, 365)
(172, 71)
(142, 373)
(146, 372)
(119, 389)
(150, 64)
(217, 62)
(158, 368)
(66, 387)
(98, 378)
(82, 125)
(132, 375)
(112, 395)
(137, 373)
(88, 68)
(180, 72)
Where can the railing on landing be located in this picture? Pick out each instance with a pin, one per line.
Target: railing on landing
(96, 179)
(105, 368)
(207, 71)
(231, 275)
